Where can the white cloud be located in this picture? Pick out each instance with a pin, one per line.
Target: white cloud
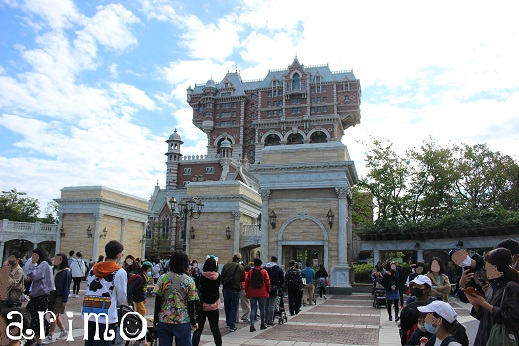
(129, 94)
(113, 70)
(58, 14)
(161, 10)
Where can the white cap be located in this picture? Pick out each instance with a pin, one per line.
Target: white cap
(441, 308)
(421, 279)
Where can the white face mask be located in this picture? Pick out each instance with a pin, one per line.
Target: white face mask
(466, 262)
(129, 262)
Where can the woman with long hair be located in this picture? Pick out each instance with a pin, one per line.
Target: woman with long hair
(40, 273)
(209, 293)
(501, 304)
(320, 277)
(62, 278)
(78, 268)
(390, 282)
(176, 293)
(441, 286)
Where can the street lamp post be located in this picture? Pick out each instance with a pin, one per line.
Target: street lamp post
(188, 208)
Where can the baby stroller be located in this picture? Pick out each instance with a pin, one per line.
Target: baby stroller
(379, 295)
(151, 336)
(279, 311)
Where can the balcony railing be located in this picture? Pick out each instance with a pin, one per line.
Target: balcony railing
(27, 227)
(250, 230)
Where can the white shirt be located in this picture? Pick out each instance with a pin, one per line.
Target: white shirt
(438, 342)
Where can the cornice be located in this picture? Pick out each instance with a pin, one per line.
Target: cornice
(101, 201)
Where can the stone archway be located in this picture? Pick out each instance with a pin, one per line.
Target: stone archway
(305, 242)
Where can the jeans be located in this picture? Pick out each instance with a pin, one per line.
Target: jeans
(91, 333)
(271, 309)
(254, 308)
(213, 317)
(181, 332)
(231, 299)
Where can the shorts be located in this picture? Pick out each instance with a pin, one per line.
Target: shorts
(58, 306)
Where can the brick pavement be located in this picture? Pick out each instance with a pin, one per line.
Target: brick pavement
(340, 320)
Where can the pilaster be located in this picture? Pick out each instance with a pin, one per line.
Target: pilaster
(264, 239)
(236, 235)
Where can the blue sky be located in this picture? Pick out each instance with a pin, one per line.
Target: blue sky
(90, 90)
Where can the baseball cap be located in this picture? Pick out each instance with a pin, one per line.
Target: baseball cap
(421, 280)
(237, 255)
(441, 308)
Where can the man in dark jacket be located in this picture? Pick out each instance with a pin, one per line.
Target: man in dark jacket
(232, 277)
(277, 279)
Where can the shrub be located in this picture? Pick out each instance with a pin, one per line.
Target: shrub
(362, 273)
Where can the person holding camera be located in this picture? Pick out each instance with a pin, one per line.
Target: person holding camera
(390, 281)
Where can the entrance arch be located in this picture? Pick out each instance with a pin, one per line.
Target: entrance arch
(305, 242)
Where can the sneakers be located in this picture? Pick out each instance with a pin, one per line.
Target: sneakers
(270, 323)
(63, 335)
(233, 329)
(252, 329)
(263, 326)
(397, 318)
(391, 318)
(48, 340)
(324, 296)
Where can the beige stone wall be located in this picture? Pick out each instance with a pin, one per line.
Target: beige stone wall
(304, 154)
(210, 237)
(132, 238)
(105, 193)
(225, 188)
(76, 239)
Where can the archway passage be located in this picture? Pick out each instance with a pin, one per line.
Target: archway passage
(295, 138)
(318, 137)
(22, 245)
(272, 139)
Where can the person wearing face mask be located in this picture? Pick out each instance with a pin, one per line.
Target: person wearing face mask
(137, 288)
(419, 333)
(409, 315)
(15, 282)
(474, 274)
(390, 281)
(441, 285)
(501, 303)
(419, 269)
(440, 320)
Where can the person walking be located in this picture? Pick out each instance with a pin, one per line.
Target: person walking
(15, 280)
(257, 287)
(321, 277)
(78, 268)
(277, 279)
(62, 279)
(390, 282)
(137, 290)
(156, 272)
(232, 276)
(106, 289)
(209, 294)
(39, 272)
(174, 312)
(294, 283)
(308, 290)
(441, 284)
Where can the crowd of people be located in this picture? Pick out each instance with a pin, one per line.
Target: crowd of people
(489, 283)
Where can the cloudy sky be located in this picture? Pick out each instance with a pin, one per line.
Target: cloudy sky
(90, 90)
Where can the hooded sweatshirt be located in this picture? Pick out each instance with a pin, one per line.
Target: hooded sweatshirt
(277, 278)
(42, 279)
(107, 278)
(208, 287)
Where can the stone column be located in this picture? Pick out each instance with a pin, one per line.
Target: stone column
(340, 274)
(123, 229)
(236, 234)
(143, 250)
(2, 249)
(188, 235)
(97, 231)
(264, 238)
(58, 238)
(419, 255)
(376, 256)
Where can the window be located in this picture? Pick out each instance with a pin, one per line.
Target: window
(268, 114)
(251, 115)
(252, 96)
(217, 115)
(280, 103)
(218, 106)
(318, 79)
(226, 84)
(318, 100)
(346, 86)
(226, 114)
(226, 105)
(270, 93)
(312, 89)
(252, 106)
(324, 99)
(226, 94)
(280, 112)
(347, 98)
(209, 170)
(274, 83)
(318, 89)
(312, 100)
(234, 122)
(325, 109)
(268, 104)
(312, 109)
(296, 110)
(187, 170)
(234, 114)
(234, 105)
(318, 109)
(272, 139)
(251, 153)
(318, 137)
(275, 92)
(274, 103)
(324, 88)
(296, 83)
(165, 228)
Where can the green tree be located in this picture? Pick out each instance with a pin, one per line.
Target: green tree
(362, 207)
(51, 213)
(17, 206)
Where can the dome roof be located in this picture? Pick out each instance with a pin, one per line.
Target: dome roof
(226, 143)
(175, 136)
(210, 83)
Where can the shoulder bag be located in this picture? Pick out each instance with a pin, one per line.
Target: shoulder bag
(500, 334)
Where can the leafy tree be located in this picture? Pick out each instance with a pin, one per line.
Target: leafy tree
(362, 207)
(51, 213)
(17, 206)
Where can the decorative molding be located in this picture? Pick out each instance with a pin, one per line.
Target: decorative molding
(303, 217)
(342, 192)
(237, 214)
(265, 195)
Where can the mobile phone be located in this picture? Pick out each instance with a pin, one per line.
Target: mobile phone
(472, 291)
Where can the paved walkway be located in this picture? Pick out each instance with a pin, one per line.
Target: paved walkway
(340, 320)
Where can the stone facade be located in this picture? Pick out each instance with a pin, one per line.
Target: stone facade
(107, 214)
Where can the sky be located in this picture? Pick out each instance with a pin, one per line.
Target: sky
(90, 90)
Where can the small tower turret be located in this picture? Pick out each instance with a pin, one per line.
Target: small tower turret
(173, 158)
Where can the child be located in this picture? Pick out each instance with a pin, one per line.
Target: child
(419, 333)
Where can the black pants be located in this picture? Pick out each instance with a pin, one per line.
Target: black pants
(92, 326)
(294, 300)
(389, 303)
(322, 291)
(213, 317)
(35, 305)
(77, 283)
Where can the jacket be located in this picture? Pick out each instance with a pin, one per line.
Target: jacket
(389, 280)
(16, 283)
(77, 265)
(62, 282)
(209, 287)
(137, 290)
(42, 279)
(443, 288)
(275, 274)
(230, 269)
(262, 292)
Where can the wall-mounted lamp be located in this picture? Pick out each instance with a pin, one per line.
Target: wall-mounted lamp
(258, 221)
(62, 232)
(104, 233)
(228, 233)
(272, 219)
(417, 245)
(459, 244)
(89, 232)
(143, 239)
(330, 218)
(192, 232)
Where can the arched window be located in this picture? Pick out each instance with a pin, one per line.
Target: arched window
(295, 138)
(296, 83)
(272, 139)
(318, 137)
(165, 228)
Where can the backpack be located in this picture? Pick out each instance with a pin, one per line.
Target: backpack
(293, 280)
(132, 323)
(256, 279)
(134, 277)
